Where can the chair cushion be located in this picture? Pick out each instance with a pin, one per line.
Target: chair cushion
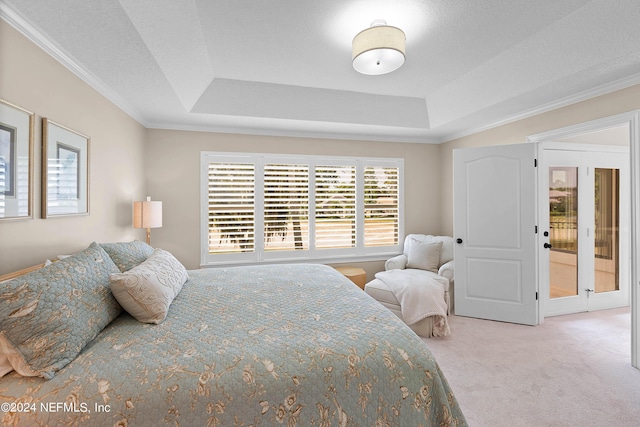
(424, 256)
(379, 290)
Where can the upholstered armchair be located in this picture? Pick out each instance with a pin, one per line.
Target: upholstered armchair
(413, 244)
(424, 259)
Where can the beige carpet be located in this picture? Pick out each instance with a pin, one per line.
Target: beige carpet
(573, 370)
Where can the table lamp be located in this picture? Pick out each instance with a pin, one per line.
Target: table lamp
(147, 214)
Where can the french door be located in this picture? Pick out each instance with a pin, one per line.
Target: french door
(584, 218)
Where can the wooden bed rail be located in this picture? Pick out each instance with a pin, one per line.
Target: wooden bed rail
(19, 273)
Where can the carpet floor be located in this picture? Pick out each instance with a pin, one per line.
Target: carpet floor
(572, 370)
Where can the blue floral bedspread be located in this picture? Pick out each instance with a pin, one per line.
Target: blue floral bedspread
(294, 345)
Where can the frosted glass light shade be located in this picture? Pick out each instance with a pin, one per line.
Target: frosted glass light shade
(379, 49)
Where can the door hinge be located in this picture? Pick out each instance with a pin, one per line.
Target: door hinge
(535, 163)
(536, 296)
(536, 232)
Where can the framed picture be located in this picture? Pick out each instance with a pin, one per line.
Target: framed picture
(16, 162)
(65, 171)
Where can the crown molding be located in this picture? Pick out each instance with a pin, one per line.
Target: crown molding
(37, 37)
(586, 127)
(554, 105)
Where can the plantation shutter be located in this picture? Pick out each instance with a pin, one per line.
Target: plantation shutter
(335, 216)
(231, 207)
(286, 207)
(270, 207)
(381, 208)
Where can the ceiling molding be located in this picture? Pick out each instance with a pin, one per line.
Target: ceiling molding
(586, 127)
(39, 39)
(327, 129)
(563, 102)
(315, 134)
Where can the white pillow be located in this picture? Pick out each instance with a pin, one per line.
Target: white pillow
(147, 290)
(425, 256)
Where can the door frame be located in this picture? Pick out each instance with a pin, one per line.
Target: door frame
(632, 119)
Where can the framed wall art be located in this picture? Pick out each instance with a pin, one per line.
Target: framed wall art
(16, 162)
(65, 171)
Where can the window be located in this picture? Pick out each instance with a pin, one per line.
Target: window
(335, 216)
(263, 207)
(286, 207)
(231, 201)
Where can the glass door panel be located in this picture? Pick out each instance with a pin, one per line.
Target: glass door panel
(585, 252)
(607, 226)
(563, 231)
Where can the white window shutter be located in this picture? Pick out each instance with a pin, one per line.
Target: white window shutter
(335, 217)
(231, 207)
(286, 207)
(381, 206)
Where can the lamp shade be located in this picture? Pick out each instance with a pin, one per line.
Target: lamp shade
(147, 214)
(379, 49)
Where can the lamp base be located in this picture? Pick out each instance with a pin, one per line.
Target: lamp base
(148, 236)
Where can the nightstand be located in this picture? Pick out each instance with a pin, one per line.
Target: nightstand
(355, 274)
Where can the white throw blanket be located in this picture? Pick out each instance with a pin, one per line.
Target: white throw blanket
(420, 296)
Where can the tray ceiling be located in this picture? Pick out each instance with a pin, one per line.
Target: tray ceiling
(284, 67)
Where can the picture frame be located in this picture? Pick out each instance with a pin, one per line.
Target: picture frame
(65, 171)
(16, 162)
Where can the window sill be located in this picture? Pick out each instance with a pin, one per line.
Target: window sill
(327, 260)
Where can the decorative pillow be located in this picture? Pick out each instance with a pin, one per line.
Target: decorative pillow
(127, 255)
(146, 291)
(5, 365)
(49, 315)
(425, 256)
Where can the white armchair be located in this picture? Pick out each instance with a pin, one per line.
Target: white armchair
(445, 265)
(422, 255)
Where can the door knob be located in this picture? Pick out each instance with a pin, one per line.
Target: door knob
(458, 240)
(547, 245)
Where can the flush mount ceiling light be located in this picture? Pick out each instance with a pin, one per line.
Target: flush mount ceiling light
(378, 49)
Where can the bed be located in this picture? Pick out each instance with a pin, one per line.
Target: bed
(295, 345)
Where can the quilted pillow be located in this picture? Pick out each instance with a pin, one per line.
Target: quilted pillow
(146, 291)
(127, 255)
(49, 315)
(425, 256)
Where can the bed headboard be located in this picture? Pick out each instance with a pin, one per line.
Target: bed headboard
(19, 273)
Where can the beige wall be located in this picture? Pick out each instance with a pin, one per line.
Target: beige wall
(173, 176)
(515, 133)
(33, 80)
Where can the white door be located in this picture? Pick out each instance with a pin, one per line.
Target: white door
(584, 220)
(494, 224)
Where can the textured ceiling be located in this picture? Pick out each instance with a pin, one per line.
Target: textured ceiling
(284, 67)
